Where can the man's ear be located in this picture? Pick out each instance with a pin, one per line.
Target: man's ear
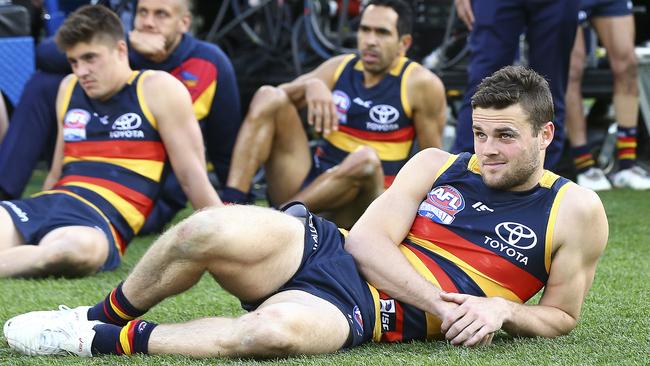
(186, 22)
(405, 42)
(546, 135)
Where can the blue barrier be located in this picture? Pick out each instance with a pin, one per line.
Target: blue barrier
(16, 65)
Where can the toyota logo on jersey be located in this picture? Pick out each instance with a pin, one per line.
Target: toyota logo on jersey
(516, 235)
(384, 114)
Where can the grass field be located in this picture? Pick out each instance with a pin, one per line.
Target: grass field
(614, 329)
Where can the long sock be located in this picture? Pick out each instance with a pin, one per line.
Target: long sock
(582, 158)
(626, 147)
(114, 309)
(115, 340)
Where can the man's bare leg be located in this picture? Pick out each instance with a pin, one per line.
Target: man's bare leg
(345, 191)
(576, 125)
(251, 251)
(289, 323)
(68, 251)
(617, 35)
(271, 136)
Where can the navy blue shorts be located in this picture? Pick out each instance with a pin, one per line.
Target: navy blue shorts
(35, 217)
(603, 8)
(330, 273)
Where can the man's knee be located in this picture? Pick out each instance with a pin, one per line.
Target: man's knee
(206, 234)
(624, 66)
(265, 104)
(274, 331)
(72, 259)
(363, 163)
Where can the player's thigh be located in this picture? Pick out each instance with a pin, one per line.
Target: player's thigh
(9, 235)
(290, 159)
(78, 244)
(617, 35)
(316, 325)
(251, 251)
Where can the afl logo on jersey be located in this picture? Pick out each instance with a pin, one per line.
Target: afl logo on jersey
(442, 204)
(74, 124)
(384, 114)
(342, 103)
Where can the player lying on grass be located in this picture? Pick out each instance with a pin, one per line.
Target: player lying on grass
(453, 249)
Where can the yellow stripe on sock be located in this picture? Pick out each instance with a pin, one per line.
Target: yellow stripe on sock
(124, 339)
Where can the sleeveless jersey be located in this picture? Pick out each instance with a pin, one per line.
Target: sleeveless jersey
(468, 238)
(379, 116)
(114, 157)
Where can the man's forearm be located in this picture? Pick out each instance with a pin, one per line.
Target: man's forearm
(537, 321)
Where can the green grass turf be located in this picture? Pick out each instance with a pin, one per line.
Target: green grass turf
(614, 329)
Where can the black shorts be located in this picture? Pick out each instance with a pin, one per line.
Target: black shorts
(35, 217)
(330, 273)
(603, 8)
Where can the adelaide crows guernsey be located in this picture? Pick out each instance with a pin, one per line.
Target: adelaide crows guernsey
(468, 238)
(114, 157)
(379, 116)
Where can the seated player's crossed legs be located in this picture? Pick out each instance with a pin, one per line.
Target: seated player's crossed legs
(272, 137)
(345, 191)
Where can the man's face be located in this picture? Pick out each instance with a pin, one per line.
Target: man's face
(508, 153)
(97, 65)
(168, 18)
(377, 39)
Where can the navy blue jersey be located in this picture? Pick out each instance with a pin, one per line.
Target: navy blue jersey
(468, 238)
(379, 116)
(114, 157)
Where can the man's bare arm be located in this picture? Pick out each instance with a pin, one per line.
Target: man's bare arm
(57, 159)
(314, 90)
(171, 105)
(580, 237)
(374, 239)
(426, 94)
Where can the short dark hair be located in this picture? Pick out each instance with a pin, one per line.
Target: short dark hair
(404, 14)
(517, 84)
(87, 23)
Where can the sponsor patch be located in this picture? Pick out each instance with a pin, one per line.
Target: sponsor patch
(342, 102)
(383, 114)
(74, 124)
(442, 204)
(516, 235)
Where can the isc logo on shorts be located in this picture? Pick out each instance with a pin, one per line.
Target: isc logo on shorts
(442, 204)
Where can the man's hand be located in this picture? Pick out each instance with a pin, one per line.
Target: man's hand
(321, 112)
(475, 320)
(465, 13)
(150, 45)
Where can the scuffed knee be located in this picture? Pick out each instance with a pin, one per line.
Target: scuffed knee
(207, 234)
(269, 332)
